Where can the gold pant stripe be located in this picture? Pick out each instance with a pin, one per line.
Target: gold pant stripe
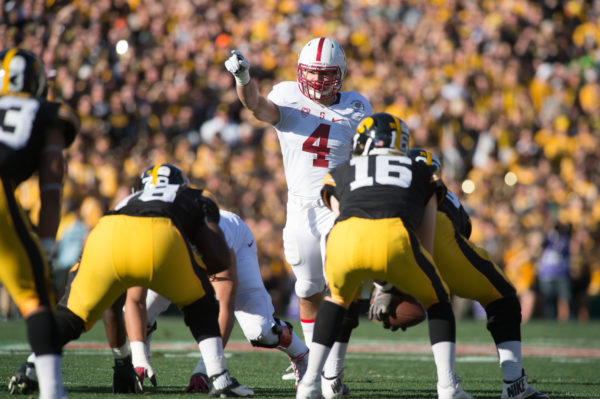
(23, 268)
(468, 270)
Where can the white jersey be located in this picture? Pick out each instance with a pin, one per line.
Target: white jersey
(314, 138)
(240, 239)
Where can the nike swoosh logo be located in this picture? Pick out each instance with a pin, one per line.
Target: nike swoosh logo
(250, 244)
(336, 120)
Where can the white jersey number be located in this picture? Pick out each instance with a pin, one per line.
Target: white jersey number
(16, 120)
(389, 170)
(321, 134)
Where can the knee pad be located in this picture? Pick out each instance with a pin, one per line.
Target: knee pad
(281, 336)
(308, 288)
(504, 319)
(329, 320)
(349, 323)
(442, 324)
(70, 326)
(202, 318)
(42, 332)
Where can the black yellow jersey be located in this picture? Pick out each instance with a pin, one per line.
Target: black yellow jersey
(187, 207)
(381, 186)
(457, 214)
(23, 123)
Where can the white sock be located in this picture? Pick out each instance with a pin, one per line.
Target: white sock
(308, 326)
(316, 361)
(31, 358)
(334, 365)
(121, 352)
(138, 353)
(49, 373)
(443, 354)
(200, 368)
(296, 348)
(509, 355)
(213, 355)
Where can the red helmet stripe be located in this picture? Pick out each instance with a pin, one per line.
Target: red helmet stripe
(320, 48)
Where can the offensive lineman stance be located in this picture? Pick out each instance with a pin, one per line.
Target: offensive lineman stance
(470, 273)
(166, 238)
(253, 310)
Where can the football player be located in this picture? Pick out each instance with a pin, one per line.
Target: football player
(166, 238)
(385, 206)
(253, 310)
(315, 123)
(33, 134)
(471, 273)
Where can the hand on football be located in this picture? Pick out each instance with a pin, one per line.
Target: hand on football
(198, 383)
(125, 378)
(239, 66)
(381, 305)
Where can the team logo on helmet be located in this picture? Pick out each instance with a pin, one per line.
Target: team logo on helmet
(22, 71)
(381, 133)
(162, 175)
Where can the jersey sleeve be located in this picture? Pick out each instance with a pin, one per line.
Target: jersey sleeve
(278, 97)
(328, 190)
(64, 117)
(209, 204)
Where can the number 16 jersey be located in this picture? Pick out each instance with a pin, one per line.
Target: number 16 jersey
(314, 138)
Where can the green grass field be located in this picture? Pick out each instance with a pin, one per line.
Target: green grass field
(562, 360)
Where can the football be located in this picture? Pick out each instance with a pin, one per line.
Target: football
(409, 312)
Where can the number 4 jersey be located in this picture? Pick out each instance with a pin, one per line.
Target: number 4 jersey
(314, 138)
(24, 122)
(382, 186)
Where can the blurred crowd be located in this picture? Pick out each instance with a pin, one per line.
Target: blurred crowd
(506, 92)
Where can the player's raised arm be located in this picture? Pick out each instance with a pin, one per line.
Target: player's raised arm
(247, 89)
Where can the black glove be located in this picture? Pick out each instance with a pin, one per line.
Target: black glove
(125, 378)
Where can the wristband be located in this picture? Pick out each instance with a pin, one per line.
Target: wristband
(243, 78)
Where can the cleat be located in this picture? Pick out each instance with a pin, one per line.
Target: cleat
(232, 389)
(452, 392)
(24, 380)
(521, 389)
(299, 365)
(309, 390)
(334, 387)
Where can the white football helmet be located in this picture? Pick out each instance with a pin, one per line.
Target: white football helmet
(321, 55)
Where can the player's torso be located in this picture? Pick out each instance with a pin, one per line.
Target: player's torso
(382, 186)
(23, 121)
(171, 201)
(21, 135)
(314, 138)
(454, 210)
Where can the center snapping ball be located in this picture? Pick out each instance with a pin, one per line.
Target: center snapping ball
(409, 312)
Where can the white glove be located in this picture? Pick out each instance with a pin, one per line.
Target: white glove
(239, 66)
(141, 363)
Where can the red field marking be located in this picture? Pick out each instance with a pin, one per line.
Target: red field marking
(461, 349)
